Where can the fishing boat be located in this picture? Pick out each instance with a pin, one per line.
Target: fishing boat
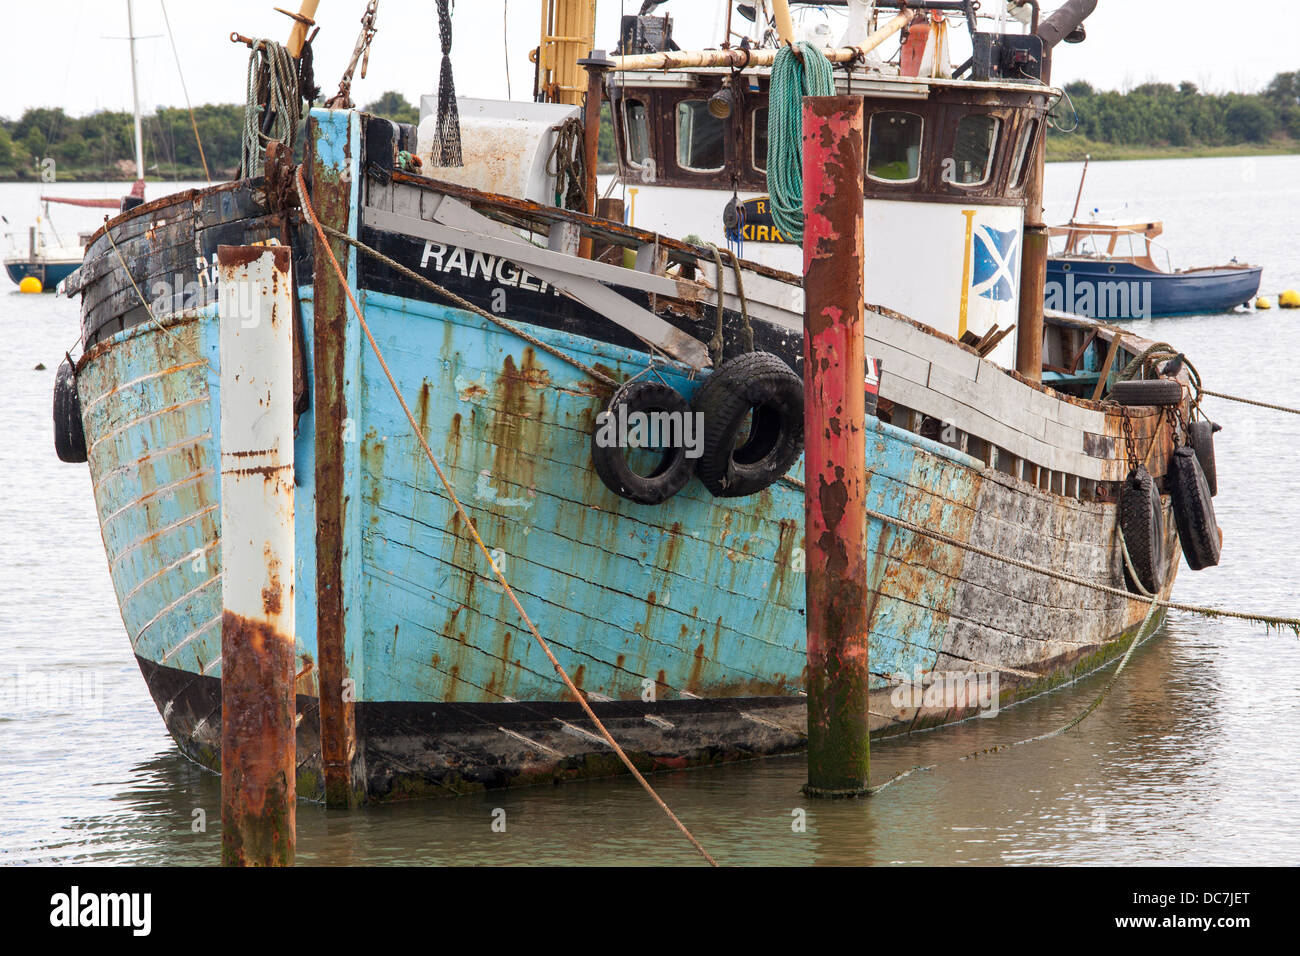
(511, 315)
(1115, 269)
(46, 261)
(50, 262)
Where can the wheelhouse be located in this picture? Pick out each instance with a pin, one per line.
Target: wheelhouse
(927, 140)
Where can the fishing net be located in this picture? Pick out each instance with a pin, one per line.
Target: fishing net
(446, 146)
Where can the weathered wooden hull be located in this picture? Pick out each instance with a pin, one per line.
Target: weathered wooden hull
(682, 622)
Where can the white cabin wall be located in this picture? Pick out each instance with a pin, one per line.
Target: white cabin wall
(917, 253)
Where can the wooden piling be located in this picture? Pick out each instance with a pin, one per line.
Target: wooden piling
(595, 65)
(835, 528)
(334, 148)
(258, 713)
(1033, 264)
(1033, 270)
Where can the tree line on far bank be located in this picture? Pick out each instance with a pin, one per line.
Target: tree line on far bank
(1161, 114)
(99, 146)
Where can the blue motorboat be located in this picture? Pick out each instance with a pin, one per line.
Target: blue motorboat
(50, 274)
(1108, 270)
(50, 263)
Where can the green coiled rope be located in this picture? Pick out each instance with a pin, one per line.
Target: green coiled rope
(793, 77)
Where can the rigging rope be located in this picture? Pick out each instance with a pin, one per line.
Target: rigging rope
(273, 87)
(1251, 401)
(1144, 631)
(795, 74)
(1163, 350)
(568, 164)
(473, 530)
(181, 73)
(716, 343)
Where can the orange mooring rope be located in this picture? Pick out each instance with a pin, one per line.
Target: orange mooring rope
(460, 510)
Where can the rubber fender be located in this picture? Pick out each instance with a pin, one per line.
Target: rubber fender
(1141, 517)
(609, 453)
(757, 388)
(69, 437)
(1198, 529)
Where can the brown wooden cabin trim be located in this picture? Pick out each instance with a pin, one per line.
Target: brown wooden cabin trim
(940, 113)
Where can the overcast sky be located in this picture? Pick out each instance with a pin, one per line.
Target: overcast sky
(62, 52)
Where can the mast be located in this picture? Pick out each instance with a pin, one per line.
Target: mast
(568, 32)
(1074, 216)
(1079, 197)
(135, 92)
(298, 35)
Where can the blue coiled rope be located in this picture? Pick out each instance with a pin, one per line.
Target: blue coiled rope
(793, 78)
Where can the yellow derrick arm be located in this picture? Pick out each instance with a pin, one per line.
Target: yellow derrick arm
(568, 33)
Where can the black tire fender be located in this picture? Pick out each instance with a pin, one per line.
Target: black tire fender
(1153, 391)
(1141, 518)
(69, 437)
(1200, 435)
(609, 459)
(1198, 529)
(761, 388)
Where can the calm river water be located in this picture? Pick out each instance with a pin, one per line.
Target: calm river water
(1192, 758)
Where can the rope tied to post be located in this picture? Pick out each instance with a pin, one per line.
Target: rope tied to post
(795, 74)
(1161, 351)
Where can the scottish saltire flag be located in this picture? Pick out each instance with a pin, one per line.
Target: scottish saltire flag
(996, 272)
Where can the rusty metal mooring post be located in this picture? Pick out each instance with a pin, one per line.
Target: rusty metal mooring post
(334, 154)
(834, 371)
(258, 714)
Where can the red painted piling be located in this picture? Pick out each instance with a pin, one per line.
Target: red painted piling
(835, 528)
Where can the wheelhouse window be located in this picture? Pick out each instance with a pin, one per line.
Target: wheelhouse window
(972, 152)
(636, 132)
(700, 143)
(1024, 153)
(894, 149)
(760, 139)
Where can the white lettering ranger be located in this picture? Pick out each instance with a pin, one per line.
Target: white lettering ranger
(480, 265)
